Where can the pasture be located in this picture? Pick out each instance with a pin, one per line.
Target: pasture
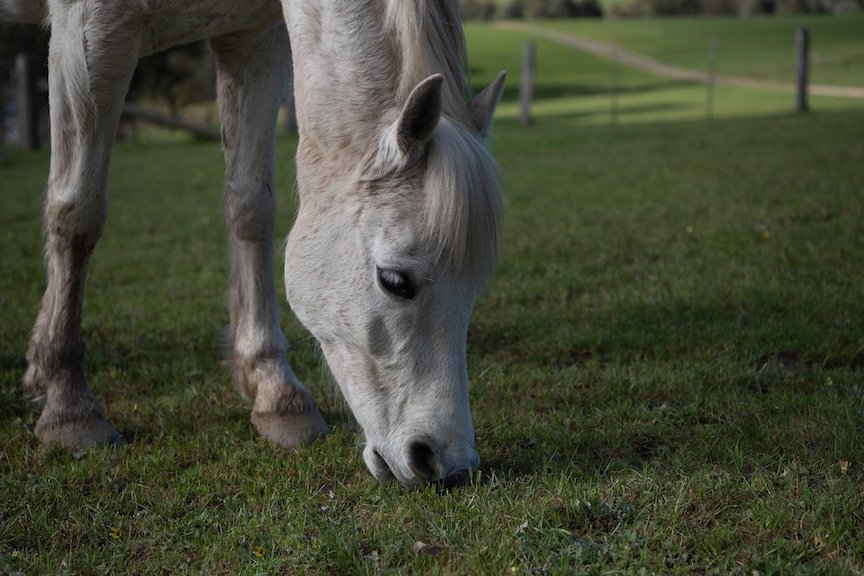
(755, 47)
(666, 366)
(577, 86)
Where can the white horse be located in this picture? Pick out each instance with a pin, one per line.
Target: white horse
(396, 231)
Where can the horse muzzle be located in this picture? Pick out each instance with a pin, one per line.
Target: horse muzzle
(420, 461)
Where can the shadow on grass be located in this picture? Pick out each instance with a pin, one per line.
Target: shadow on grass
(621, 112)
(552, 91)
(666, 386)
(163, 384)
(632, 451)
(794, 330)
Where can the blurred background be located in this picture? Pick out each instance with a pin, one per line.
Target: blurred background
(592, 60)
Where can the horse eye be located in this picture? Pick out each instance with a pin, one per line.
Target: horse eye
(396, 282)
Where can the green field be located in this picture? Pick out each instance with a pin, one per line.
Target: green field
(666, 367)
(578, 86)
(757, 47)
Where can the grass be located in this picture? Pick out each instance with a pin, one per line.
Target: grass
(572, 84)
(666, 371)
(759, 47)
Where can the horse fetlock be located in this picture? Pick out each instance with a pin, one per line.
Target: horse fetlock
(47, 362)
(267, 377)
(240, 375)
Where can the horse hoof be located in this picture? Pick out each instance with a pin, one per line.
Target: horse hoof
(291, 430)
(78, 435)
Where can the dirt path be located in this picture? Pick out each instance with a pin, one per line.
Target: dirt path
(647, 64)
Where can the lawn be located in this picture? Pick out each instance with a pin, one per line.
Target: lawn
(666, 369)
(758, 47)
(579, 86)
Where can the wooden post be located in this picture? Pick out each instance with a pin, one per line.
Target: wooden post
(802, 39)
(712, 77)
(289, 107)
(290, 121)
(614, 86)
(27, 106)
(526, 87)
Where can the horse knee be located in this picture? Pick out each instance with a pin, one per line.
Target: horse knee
(250, 212)
(75, 226)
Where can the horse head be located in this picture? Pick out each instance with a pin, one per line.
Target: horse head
(384, 269)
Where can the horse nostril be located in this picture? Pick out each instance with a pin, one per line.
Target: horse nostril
(422, 460)
(460, 478)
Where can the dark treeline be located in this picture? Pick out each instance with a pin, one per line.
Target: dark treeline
(489, 9)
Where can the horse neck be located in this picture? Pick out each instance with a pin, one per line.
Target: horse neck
(342, 78)
(355, 62)
(429, 40)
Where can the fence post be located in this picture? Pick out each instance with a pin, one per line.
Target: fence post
(712, 76)
(25, 99)
(614, 88)
(290, 122)
(526, 87)
(802, 40)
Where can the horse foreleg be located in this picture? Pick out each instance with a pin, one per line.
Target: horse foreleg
(252, 75)
(88, 78)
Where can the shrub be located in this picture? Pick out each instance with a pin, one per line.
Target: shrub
(720, 7)
(756, 7)
(587, 9)
(564, 9)
(478, 9)
(180, 76)
(674, 7)
(633, 9)
(642, 8)
(515, 9)
(799, 7)
(843, 6)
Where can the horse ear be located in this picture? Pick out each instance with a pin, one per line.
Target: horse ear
(419, 115)
(482, 106)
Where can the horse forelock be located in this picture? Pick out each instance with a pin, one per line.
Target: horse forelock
(462, 207)
(456, 197)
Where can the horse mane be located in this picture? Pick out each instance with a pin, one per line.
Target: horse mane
(427, 39)
(462, 207)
